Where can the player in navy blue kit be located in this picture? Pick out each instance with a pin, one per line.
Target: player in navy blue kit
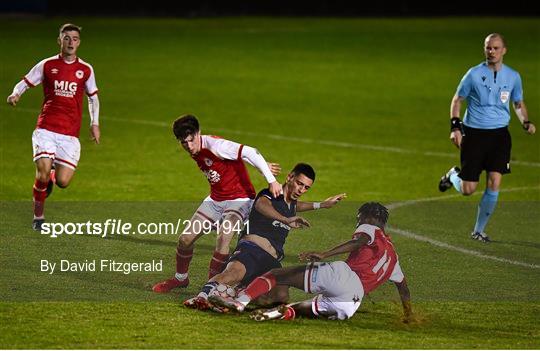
(483, 137)
(260, 248)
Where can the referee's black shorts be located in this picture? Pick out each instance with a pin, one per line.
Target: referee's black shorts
(484, 149)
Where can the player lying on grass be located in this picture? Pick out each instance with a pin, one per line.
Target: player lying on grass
(230, 199)
(260, 248)
(340, 286)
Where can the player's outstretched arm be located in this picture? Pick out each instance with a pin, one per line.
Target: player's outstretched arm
(275, 168)
(268, 170)
(18, 90)
(328, 203)
(13, 100)
(405, 296)
(523, 115)
(264, 206)
(346, 247)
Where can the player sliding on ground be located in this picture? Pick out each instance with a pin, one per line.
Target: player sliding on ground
(260, 248)
(230, 199)
(340, 285)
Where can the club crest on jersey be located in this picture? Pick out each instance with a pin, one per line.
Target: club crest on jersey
(54, 71)
(79, 74)
(208, 162)
(505, 95)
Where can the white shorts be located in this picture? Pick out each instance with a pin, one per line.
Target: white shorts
(62, 149)
(215, 211)
(339, 289)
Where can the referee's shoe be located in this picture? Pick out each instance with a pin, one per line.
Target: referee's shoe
(480, 237)
(445, 183)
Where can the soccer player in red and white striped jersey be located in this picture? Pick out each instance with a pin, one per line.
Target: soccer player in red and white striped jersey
(230, 199)
(65, 78)
(339, 285)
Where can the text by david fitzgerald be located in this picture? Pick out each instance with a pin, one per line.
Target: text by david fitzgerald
(52, 267)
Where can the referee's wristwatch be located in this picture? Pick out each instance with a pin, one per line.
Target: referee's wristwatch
(526, 125)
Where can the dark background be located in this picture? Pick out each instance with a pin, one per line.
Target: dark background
(205, 8)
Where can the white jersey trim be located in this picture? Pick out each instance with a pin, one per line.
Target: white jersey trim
(90, 84)
(397, 274)
(35, 76)
(367, 229)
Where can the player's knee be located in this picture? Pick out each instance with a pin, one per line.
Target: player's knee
(185, 241)
(222, 242)
(281, 296)
(468, 189)
(229, 276)
(467, 192)
(62, 183)
(43, 177)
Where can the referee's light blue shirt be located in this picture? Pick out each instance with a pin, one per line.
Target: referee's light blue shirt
(489, 95)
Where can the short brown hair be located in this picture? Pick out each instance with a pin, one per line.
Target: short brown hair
(69, 27)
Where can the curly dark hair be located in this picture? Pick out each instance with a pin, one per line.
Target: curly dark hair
(374, 211)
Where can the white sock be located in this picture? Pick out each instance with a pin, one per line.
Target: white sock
(244, 299)
(180, 276)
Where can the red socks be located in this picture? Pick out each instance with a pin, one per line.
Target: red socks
(183, 258)
(260, 285)
(217, 264)
(39, 195)
(289, 314)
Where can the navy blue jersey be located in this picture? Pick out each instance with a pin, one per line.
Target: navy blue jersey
(271, 229)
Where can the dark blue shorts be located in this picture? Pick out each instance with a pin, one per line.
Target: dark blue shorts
(256, 260)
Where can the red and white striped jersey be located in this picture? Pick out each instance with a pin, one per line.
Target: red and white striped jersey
(221, 161)
(64, 85)
(377, 261)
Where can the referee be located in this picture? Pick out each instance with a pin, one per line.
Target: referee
(483, 137)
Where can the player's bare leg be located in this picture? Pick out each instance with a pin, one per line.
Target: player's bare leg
(232, 275)
(230, 225)
(43, 170)
(487, 206)
(291, 276)
(63, 175)
(468, 188)
(452, 179)
(278, 295)
(285, 312)
(184, 254)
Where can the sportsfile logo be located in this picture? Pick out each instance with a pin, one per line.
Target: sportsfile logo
(120, 227)
(65, 88)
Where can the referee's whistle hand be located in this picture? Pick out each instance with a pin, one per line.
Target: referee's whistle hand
(455, 137)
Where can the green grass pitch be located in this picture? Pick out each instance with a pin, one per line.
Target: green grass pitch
(365, 101)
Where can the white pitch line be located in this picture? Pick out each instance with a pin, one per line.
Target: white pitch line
(446, 197)
(418, 237)
(334, 143)
(444, 245)
(360, 146)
